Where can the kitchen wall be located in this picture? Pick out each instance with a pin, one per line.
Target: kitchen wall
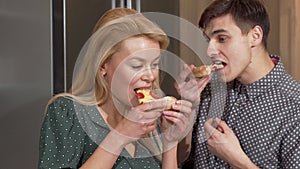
(289, 35)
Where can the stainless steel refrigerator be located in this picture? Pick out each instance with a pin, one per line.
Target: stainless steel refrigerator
(73, 23)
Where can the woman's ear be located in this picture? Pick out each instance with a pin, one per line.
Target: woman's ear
(103, 70)
(256, 36)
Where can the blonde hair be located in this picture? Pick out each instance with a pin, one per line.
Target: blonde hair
(89, 86)
(116, 25)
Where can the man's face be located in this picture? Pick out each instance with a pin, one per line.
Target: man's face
(228, 45)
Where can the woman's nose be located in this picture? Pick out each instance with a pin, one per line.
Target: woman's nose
(148, 75)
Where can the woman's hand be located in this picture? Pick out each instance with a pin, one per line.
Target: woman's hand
(140, 120)
(176, 123)
(136, 123)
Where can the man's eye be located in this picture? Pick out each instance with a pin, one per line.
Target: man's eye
(222, 38)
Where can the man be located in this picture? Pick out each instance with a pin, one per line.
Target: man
(259, 126)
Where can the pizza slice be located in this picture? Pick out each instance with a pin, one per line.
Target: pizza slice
(205, 70)
(146, 95)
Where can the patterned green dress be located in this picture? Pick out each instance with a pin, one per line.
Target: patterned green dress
(71, 132)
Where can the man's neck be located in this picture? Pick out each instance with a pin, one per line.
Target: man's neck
(261, 64)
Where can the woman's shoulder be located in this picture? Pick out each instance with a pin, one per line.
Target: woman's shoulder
(65, 108)
(61, 135)
(65, 102)
(62, 107)
(61, 100)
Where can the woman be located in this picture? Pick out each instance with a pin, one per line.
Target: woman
(99, 123)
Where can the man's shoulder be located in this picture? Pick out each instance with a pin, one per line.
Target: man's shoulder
(290, 88)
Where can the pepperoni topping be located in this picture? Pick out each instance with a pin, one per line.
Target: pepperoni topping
(140, 95)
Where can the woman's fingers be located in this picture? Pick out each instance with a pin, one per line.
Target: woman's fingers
(177, 122)
(153, 105)
(183, 106)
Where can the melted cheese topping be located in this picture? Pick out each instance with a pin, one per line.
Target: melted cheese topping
(144, 95)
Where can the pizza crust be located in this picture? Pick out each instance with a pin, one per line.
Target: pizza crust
(204, 70)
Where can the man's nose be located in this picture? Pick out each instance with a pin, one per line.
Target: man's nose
(212, 49)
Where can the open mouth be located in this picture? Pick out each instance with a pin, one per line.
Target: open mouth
(218, 65)
(142, 93)
(138, 93)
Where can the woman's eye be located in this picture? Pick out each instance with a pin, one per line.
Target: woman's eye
(137, 67)
(155, 65)
(152, 66)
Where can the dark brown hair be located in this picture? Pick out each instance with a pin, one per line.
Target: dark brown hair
(245, 13)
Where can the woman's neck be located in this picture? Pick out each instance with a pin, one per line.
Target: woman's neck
(112, 117)
(111, 114)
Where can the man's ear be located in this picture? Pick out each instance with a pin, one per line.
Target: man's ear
(256, 36)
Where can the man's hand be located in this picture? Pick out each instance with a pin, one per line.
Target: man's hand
(189, 87)
(223, 143)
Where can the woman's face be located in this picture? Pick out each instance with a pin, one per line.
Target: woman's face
(133, 66)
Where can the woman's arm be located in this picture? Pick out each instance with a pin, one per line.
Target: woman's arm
(138, 122)
(184, 148)
(169, 159)
(176, 124)
(107, 152)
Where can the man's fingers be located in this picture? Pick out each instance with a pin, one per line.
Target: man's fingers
(215, 127)
(187, 70)
(222, 126)
(209, 128)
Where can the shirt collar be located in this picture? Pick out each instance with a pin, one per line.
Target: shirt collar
(95, 116)
(259, 87)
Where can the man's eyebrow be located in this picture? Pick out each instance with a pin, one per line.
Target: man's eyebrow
(217, 31)
(213, 33)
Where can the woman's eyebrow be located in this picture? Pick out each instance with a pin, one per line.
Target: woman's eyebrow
(142, 59)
